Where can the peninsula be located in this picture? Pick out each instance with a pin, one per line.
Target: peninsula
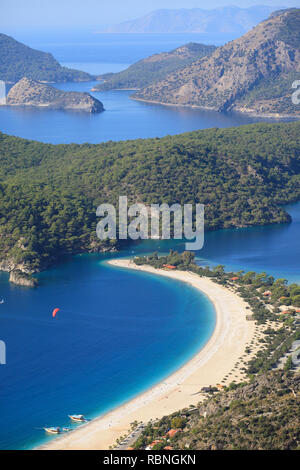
(239, 162)
(229, 385)
(153, 68)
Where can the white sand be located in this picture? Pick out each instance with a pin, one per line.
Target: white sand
(214, 361)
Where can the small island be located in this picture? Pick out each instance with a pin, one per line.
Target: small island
(28, 92)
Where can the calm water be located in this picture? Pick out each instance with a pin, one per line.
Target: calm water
(90, 48)
(122, 119)
(118, 332)
(272, 248)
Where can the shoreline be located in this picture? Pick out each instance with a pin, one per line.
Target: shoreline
(209, 366)
(249, 113)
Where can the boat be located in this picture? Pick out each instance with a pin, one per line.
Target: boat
(66, 429)
(2, 301)
(53, 430)
(77, 418)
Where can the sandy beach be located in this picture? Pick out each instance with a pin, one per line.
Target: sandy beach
(217, 359)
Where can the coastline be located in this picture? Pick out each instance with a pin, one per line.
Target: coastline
(209, 366)
(242, 112)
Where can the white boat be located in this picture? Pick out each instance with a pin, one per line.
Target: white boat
(2, 301)
(77, 418)
(53, 430)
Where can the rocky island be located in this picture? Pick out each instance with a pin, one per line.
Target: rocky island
(28, 92)
(22, 279)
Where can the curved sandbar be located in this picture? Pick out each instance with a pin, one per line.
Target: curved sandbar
(226, 345)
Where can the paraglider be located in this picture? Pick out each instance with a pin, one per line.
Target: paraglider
(55, 312)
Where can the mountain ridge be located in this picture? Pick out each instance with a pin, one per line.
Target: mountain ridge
(228, 78)
(197, 20)
(154, 67)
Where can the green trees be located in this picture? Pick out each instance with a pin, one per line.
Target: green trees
(18, 61)
(49, 193)
(289, 363)
(154, 68)
(178, 422)
(261, 415)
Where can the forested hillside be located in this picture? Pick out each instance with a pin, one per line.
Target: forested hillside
(154, 68)
(260, 409)
(49, 193)
(18, 61)
(261, 415)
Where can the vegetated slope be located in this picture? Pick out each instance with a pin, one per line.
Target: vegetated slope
(261, 415)
(229, 19)
(262, 412)
(28, 92)
(18, 61)
(253, 74)
(49, 193)
(154, 68)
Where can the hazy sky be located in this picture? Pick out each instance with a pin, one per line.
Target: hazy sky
(26, 14)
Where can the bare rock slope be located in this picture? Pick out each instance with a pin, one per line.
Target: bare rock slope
(253, 74)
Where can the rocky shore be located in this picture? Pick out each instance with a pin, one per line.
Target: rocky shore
(22, 279)
(28, 92)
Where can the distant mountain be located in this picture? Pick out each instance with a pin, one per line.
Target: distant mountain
(18, 61)
(230, 19)
(28, 92)
(154, 68)
(253, 74)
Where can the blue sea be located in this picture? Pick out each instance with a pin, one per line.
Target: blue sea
(118, 332)
(122, 119)
(273, 248)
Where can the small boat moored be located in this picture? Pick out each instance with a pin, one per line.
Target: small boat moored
(53, 430)
(78, 418)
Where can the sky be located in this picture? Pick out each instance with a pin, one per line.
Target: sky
(93, 14)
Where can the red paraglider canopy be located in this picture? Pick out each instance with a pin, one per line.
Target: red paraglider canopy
(55, 312)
